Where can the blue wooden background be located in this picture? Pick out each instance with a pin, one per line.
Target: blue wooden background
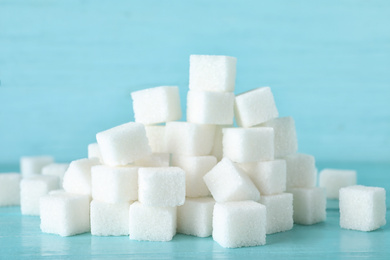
(67, 67)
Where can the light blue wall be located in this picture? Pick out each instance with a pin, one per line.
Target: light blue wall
(67, 67)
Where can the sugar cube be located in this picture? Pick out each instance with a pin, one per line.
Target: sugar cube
(248, 144)
(114, 184)
(151, 223)
(123, 144)
(362, 208)
(94, 151)
(56, 169)
(227, 182)
(212, 73)
(154, 160)
(156, 138)
(333, 180)
(30, 165)
(161, 186)
(301, 171)
(279, 212)
(156, 105)
(217, 150)
(10, 189)
(239, 223)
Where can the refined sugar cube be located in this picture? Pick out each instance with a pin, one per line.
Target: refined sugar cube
(279, 212)
(189, 139)
(161, 186)
(239, 223)
(32, 189)
(212, 73)
(362, 208)
(309, 205)
(227, 182)
(77, 178)
(10, 189)
(94, 151)
(114, 184)
(255, 107)
(154, 160)
(210, 107)
(268, 176)
(285, 140)
(248, 145)
(217, 150)
(156, 138)
(156, 105)
(64, 214)
(152, 223)
(301, 171)
(56, 169)
(109, 219)
(195, 168)
(333, 180)
(30, 165)
(195, 217)
(123, 144)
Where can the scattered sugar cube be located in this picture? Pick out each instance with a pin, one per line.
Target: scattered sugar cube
(268, 176)
(212, 73)
(301, 171)
(156, 105)
(94, 151)
(64, 214)
(31, 165)
(279, 212)
(227, 182)
(77, 178)
(189, 139)
(152, 223)
(154, 160)
(285, 140)
(161, 186)
(215, 108)
(195, 168)
(123, 144)
(10, 189)
(56, 169)
(362, 208)
(156, 138)
(32, 189)
(309, 205)
(195, 217)
(109, 219)
(248, 145)
(333, 180)
(255, 107)
(239, 223)
(114, 184)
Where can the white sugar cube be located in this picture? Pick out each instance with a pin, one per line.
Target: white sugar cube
(10, 189)
(333, 180)
(268, 176)
(227, 182)
(154, 160)
(195, 217)
(56, 169)
(161, 186)
(189, 139)
(156, 105)
(64, 214)
(362, 208)
(285, 135)
(279, 212)
(123, 144)
(77, 178)
(156, 138)
(210, 107)
(217, 150)
(195, 168)
(301, 171)
(239, 223)
(255, 107)
(309, 205)
(248, 145)
(30, 165)
(152, 223)
(32, 189)
(114, 184)
(94, 151)
(212, 73)
(109, 219)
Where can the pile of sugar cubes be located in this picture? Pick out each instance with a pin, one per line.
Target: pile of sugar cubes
(156, 177)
